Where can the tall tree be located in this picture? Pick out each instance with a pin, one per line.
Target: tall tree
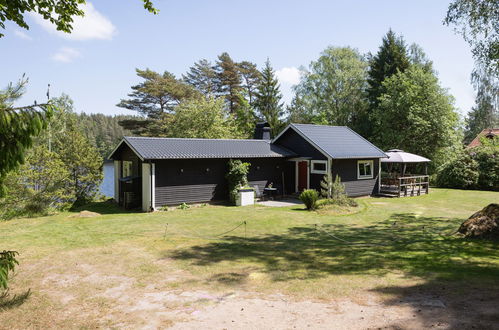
(390, 59)
(485, 113)
(478, 22)
(81, 159)
(59, 13)
(154, 98)
(415, 114)
(228, 80)
(202, 76)
(18, 127)
(333, 92)
(268, 99)
(251, 78)
(202, 118)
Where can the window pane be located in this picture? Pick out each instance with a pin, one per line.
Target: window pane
(362, 170)
(368, 169)
(319, 167)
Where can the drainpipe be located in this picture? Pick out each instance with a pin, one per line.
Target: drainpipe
(151, 184)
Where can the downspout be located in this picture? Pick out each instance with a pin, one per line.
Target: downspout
(151, 184)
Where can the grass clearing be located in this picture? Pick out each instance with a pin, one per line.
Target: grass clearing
(120, 268)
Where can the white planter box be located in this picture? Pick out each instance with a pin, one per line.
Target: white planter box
(245, 197)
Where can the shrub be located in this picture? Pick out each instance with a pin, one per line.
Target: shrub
(334, 192)
(309, 197)
(184, 206)
(461, 172)
(8, 263)
(237, 177)
(488, 167)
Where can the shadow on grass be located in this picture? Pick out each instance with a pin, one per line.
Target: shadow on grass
(404, 243)
(104, 207)
(7, 301)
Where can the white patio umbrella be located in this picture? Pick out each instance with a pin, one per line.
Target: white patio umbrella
(400, 156)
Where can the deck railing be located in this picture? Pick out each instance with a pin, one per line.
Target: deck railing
(409, 185)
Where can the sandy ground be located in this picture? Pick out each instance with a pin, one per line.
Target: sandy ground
(154, 307)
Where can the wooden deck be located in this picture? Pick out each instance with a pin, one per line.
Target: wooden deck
(414, 185)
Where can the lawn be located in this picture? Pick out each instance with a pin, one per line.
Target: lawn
(98, 272)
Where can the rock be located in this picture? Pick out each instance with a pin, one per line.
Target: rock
(482, 224)
(85, 214)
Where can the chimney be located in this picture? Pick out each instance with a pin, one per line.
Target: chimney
(262, 131)
(266, 133)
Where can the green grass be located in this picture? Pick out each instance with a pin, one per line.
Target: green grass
(395, 243)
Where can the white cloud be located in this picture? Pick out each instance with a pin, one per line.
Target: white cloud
(22, 35)
(66, 55)
(93, 25)
(289, 76)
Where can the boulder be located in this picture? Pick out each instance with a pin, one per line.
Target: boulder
(482, 224)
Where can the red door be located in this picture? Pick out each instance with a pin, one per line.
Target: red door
(302, 175)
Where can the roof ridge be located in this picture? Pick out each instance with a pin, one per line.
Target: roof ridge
(193, 139)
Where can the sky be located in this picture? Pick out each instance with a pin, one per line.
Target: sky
(95, 65)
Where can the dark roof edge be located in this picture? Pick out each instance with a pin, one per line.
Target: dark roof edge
(124, 140)
(297, 130)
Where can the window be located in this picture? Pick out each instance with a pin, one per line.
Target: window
(319, 167)
(365, 169)
(127, 168)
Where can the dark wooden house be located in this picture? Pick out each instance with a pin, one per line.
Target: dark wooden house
(153, 172)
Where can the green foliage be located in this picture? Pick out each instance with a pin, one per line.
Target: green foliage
(41, 184)
(461, 172)
(485, 113)
(184, 206)
(268, 99)
(251, 78)
(18, 127)
(103, 131)
(415, 114)
(8, 263)
(333, 91)
(59, 13)
(201, 118)
(237, 177)
(228, 80)
(487, 157)
(202, 76)
(245, 118)
(81, 159)
(390, 59)
(477, 21)
(154, 98)
(334, 191)
(309, 197)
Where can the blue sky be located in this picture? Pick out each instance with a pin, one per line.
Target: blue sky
(96, 64)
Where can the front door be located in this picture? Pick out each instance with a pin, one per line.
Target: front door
(302, 175)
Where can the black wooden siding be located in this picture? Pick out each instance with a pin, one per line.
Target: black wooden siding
(203, 180)
(347, 170)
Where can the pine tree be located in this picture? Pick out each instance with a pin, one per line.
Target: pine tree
(202, 76)
(392, 57)
(18, 127)
(81, 159)
(251, 78)
(228, 80)
(268, 99)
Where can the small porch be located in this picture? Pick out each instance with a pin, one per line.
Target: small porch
(404, 174)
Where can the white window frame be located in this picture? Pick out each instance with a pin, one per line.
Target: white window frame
(314, 171)
(363, 177)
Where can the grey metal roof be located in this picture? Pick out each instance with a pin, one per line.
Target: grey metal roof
(177, 148)
(339, 142)
(400, 156)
